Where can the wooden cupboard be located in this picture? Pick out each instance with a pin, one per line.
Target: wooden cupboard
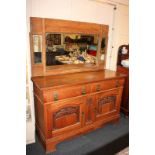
(124, 70)
(72, 99)
(125, 94)
(61, 114)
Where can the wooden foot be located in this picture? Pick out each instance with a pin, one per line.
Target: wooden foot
(50, 147)
(116, 121)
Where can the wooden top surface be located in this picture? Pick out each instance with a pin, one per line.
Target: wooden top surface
(46, 82)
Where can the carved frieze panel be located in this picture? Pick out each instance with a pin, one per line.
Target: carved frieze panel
(65, 117)
(110, 101)
(66, 111)
(107, 99)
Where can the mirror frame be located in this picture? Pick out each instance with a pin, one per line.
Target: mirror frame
(41, 26)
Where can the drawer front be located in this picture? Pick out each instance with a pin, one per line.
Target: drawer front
(74, 91)
(64, 93)
(105, 85)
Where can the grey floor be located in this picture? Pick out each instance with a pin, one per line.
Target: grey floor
(87, 143)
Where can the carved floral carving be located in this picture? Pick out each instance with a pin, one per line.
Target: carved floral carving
(66, 111)
(106, 100)
(63, 112)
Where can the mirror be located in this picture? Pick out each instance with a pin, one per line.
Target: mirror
(102, 50)
(37, 48)
(67, 48)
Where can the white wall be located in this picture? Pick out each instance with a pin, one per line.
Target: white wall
(30, 125)
(121, 33)
(79, 10)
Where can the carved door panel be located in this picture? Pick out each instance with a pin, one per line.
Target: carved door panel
(89, 110)
(107, 103)
(65, 116)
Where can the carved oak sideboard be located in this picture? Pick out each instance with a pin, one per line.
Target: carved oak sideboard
(73, 94)
(72, 104)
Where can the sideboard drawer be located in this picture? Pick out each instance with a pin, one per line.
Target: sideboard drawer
(105, 85)
(59, 94)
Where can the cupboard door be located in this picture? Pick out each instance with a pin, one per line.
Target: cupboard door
(107, 103)
(64, 116)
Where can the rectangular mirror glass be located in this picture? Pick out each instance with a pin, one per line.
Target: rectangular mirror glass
(37, 48)
(103, 48)
(65, 49)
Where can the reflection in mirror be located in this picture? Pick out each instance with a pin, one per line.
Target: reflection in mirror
(37, 48)
(65, 48)
(103, 47)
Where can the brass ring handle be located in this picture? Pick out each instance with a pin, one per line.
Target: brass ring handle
(55, 95)
(83, 91)
(117, 84)
(98, 88)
